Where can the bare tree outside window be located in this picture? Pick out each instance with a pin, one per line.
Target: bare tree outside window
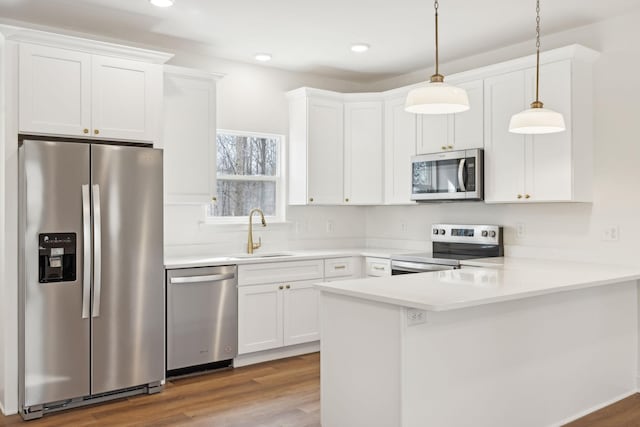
(247, 174)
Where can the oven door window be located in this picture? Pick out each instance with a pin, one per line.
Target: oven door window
(444, 176)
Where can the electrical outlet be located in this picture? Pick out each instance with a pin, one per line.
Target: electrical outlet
(330, 226)
(416, 317)
(611, 233)
(520, 230)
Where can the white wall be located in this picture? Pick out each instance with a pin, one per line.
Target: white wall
(558, 230)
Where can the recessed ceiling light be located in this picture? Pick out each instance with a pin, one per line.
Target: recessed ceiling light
(162, 3)
(359, 47)
(264, 57)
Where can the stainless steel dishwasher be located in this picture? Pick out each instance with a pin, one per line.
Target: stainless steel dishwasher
(202, 318)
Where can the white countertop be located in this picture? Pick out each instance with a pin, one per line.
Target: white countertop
(507, 279)
(277, 256)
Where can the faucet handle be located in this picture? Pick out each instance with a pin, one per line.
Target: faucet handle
(257, 245)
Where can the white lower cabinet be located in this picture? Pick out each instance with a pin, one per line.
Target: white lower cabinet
(260, 316)
(280, 311)
(301, 321)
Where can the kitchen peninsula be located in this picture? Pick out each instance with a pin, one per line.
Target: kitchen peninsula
(500, 342)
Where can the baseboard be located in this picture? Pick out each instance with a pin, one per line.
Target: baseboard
(276, 353)
(2, 408)
(594, 408)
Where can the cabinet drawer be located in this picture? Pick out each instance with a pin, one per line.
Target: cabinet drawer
(277, 272)
(378, 267)
(341, 267)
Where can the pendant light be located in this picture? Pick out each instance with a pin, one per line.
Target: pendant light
(537, 119)
(437, 97)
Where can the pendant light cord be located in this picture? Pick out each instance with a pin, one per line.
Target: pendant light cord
(436, 5)
(537, 102)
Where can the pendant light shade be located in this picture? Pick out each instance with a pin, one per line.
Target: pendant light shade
(437, 97)
(537, 119)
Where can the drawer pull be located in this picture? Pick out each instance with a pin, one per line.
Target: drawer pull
(376, 267)
(339, 267)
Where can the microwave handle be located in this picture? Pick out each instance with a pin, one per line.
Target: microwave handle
(461, 175)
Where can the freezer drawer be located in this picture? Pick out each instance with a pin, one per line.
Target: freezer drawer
(202, 316)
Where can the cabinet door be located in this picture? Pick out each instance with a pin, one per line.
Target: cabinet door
(189, 139)
(435, 133)
(469, 125)
(126, 99)
(504, 151)
(400, 145)
(301, 313)
(260, 309)
(549, 157)
(363, 153)
(54, 91)
(325, 151)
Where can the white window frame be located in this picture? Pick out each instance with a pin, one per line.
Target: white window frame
(278, 178)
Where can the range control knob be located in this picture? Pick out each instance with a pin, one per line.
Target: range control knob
(442, 231)
(492, 234)
(435, 231)
(485, 233)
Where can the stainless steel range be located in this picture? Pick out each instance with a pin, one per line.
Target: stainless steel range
(451, 244)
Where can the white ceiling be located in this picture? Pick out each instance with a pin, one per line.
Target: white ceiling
(315, 36)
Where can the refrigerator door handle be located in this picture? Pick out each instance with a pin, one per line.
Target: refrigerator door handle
(86, 239)
(97, 252)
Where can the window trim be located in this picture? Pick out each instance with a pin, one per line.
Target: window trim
(279, 178)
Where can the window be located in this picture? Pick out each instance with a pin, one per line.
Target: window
(249, 175)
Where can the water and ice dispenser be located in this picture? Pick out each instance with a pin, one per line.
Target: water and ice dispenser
(57, 257)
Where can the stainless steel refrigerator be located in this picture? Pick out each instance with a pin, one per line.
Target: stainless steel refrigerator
(91, 273)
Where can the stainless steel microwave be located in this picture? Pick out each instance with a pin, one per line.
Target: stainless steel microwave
(452, 176)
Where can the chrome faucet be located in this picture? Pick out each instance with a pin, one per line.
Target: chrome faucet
(250, 245)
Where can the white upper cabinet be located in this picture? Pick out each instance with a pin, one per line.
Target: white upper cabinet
(545, 168)
(189, 136)
(461, 131)
(435, 133)
(363, 153)
(542, 168)
(316, 149)
(69, 92)
(326, 146)
(126, 99)
(399, 147)
(468, 126)
(504, 151)
(54, 91)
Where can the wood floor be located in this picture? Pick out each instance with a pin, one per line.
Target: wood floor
(282, 393)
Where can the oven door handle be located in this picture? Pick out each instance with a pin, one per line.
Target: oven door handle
(461, 175)
(419, 267)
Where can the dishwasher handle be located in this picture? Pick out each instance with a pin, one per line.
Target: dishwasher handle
(201, 279)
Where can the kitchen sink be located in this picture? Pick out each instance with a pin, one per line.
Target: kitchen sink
(263, 255)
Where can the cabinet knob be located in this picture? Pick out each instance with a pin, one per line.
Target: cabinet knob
(281, 287)
(214, 199)
(527, 196)
(450, 147)
(519, 196)
(346, 200)
(85, 131)
(311, 199)
(288, 286)
(96, 131)
(444, 147)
